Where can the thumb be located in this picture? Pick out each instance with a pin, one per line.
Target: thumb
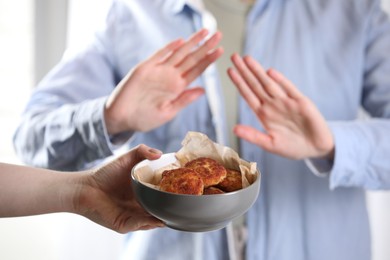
(139, 153)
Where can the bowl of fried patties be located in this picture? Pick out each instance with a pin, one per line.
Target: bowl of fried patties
(201, 194)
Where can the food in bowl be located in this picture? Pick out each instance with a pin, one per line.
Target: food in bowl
(212, 191)
(191, 212)
(211, 171)
(182, 181)
(232, 182)
(201, 176)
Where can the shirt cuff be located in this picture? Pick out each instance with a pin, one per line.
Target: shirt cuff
(118, 140)
(319, 167)
(88, 121)
(114, 142)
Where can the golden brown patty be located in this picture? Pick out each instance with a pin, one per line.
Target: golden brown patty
(212, 191)
(232, 182)
(182, 181)
(211, 171)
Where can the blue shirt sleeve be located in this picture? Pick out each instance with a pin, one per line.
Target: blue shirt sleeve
(63, 125)
(362, 154)
(363, 146)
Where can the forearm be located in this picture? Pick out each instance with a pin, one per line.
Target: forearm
(30, 191)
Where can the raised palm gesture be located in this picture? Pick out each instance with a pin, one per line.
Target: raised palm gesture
(157, 89)
(294, 127)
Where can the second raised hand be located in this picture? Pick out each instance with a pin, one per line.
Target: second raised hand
(294, 127)
(157, 89)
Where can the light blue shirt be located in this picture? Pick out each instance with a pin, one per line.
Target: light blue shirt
(336, 52)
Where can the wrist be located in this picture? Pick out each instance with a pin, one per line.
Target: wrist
(73, 193)
(326, 148)
(113, 120)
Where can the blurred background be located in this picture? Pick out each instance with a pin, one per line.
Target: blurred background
(32, 40)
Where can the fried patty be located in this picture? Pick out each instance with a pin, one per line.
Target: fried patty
(232, 182)
(212, 190)
(182, 181)
(211, 171)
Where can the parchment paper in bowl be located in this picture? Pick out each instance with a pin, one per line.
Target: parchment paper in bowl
(197, 145)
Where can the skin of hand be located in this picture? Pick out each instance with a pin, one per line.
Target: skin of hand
(294, 127)
(103, 195)
(106, 196)
(157, 89)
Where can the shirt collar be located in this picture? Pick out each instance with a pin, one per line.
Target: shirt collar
(177, 6)
(196, 4)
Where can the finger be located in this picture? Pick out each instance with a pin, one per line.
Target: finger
(196, 70)
(186, 97)
(151, 226)
(139, 153)
(249, 78)
(287, 85)
(145, 152)
(182, 52)
(272, 89)
(141, 223)
(254, 136)
(199, 54)
(245, 91)
(164, 53)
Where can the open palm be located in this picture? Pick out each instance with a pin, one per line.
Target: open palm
(157, 89)
(294, 127)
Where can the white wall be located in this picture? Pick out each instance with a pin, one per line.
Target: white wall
(25, 58)
(50, 18)
(20, 238)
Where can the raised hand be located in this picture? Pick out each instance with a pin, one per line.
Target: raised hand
(156, 90)
(294, 127)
